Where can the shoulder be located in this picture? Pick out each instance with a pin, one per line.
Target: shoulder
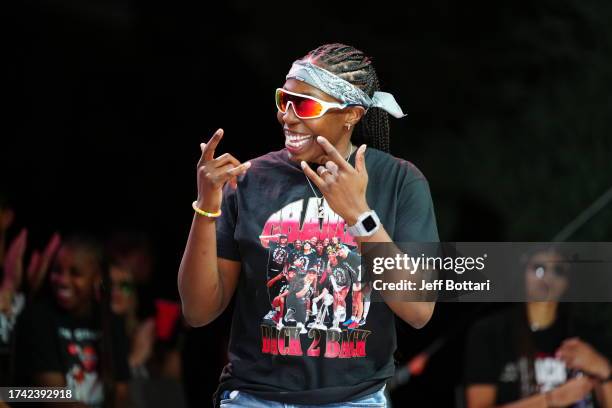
(386, 165)
(493, 324)
(37, 321)
(272, 160)
(268, 168)
(39, 311)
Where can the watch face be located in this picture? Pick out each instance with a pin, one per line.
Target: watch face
(368, 223)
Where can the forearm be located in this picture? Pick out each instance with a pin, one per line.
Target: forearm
(604, 394)
(199, 283)
(535, 401)
(417, 314)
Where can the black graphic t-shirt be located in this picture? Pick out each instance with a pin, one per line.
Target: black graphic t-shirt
(493, 357)
(50, 340)
(302, 348)
(278, 254)
(340, 275)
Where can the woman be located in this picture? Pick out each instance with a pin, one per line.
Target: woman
(329, 100)
(530, 356)
(71, 340)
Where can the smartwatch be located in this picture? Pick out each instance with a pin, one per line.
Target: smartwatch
(367, 224)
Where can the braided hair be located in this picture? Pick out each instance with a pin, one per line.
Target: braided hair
(355, 67)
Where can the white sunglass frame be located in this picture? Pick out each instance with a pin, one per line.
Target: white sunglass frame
(326, 105)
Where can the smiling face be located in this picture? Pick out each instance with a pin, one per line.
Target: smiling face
(300, 134)
(73, 275)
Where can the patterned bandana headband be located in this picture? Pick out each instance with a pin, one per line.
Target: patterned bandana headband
(340, 89)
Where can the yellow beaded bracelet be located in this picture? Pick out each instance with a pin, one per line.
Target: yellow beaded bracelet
(216, 214)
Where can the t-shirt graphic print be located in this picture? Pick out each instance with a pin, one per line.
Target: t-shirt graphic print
(313, 270)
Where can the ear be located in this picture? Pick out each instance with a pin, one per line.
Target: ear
(354, 115)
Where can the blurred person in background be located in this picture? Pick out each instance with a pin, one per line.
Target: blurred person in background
(14, 289)
(536, 354)
(154, 349)
(69, 337)
(141, 333)
(132, 252)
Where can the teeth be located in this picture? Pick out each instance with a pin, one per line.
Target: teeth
(64, 292)
(297, 144)
(294, 140)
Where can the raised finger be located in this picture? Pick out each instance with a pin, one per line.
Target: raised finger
(360, 160)
(208, 151)
(319, 182)
(332, 153)
(52, 246)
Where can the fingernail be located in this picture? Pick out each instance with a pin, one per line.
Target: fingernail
(247, 165)
(363, 147)
(320, 138)
(219, 131)
(303, 164)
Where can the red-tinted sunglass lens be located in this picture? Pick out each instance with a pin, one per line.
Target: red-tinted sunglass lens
(304, 107)
(281, 100)
(307, 108)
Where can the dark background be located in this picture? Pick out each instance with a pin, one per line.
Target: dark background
(509, 116)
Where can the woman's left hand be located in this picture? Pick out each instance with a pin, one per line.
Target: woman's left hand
(342, 185)
(582, 356)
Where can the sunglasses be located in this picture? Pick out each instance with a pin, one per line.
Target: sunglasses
(304, 106)
(125, 286)
(558, 271)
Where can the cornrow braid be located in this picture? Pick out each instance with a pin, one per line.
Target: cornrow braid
(355, 67)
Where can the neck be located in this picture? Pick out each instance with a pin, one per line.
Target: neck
(343, 147)
(541, 314)
(82, 310)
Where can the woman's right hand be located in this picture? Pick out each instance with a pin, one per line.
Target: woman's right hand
(571, 392)
(213, 173)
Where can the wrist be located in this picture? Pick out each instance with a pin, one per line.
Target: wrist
(206, 214)
(548, 399)
(208, 205)
(354, 215)
(606, 374)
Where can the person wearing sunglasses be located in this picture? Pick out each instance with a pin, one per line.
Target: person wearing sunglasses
(542, 353)
(334, 180)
